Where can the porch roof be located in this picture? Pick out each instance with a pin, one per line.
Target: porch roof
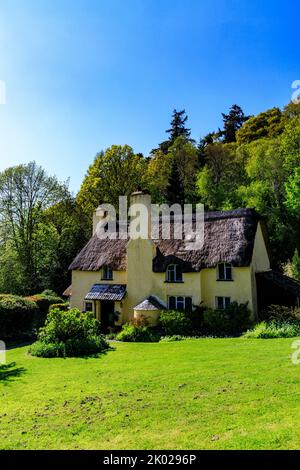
(151, 303)
(290, 285)
(106, 292)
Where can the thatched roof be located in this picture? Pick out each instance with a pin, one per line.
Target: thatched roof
(228, 237)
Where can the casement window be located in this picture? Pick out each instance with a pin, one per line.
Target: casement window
(180, 303)
(107, 273)
(89, 307)
(174, 273)
(222, 303)
(224, 272)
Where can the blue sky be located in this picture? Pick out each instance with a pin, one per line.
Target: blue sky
(84, 74)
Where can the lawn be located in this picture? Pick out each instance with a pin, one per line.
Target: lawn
(194, 394)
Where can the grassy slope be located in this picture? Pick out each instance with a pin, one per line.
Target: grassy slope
(210, 393)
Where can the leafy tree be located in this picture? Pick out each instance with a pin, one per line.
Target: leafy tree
(295, 267)
(266, 124)
(115, 172)
(157, 176)
(25, 192)
(233, 121)
(184, 158)
(218, 180)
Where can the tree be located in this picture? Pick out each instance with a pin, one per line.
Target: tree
(220, 177)
(115, 172)
(178, 128)
(232, 123)
(157, 176)
(267, 124)
(295, 266)
(25, 192)
(184, 158)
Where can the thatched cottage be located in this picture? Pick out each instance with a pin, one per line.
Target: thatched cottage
(122, 279)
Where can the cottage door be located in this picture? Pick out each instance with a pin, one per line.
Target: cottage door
(107, 314)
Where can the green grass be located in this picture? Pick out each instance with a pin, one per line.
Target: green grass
(193, 394)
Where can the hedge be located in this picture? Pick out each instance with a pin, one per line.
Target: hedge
(17, 316)
(20, 317)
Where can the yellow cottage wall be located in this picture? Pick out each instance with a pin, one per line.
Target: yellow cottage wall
(202, 286)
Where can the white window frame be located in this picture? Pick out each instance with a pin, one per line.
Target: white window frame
(174, 268)
(225, 267)
(105, 270)
(89, 302)
(176, 297)
(223, 300)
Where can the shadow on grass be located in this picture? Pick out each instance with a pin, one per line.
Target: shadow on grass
(9, 372)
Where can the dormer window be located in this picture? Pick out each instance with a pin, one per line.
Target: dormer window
(174, 273)
(107, 273)
(224, 272)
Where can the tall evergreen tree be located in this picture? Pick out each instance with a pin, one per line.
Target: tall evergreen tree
(233, 121)
(178, 125)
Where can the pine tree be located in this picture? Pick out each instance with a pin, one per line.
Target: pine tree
(232, 123)
(178, 125)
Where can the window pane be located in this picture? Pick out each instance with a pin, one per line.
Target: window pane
(220, 304)
(178, 271)
(227, 302)
(221, 271)
(171, 273)
(188, 304)
(180, 303)
(172, 303)
(228, 272)
(88, 307)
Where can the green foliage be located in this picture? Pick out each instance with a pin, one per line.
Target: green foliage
(17, 316)
(281, 313)
(274, 329)
(25, 192)
(133, 333)
(184, 158)
(116, 172)
(171, 339)
(61, 306)
(69, 333)
(69, 348)
(44, 303)
(231, 321)
(266, 124)
(232, 123)
(174, 322)
(178, 128)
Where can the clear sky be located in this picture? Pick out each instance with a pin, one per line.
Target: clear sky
(84, 74)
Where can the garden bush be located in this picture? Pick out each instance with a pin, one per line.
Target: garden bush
(170, 339)
(69, 333)
(62, 306)
(44, 302)
(232, 321)
(174, 322)
(17, 316)
(133, 333)
(281, 313)
(274, 329)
